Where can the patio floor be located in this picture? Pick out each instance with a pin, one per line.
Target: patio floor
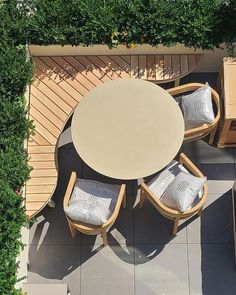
(142, 257)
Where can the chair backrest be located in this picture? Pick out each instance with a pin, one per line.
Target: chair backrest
(202, 131)
(173, 213)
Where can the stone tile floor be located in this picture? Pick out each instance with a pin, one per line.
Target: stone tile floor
(142, 256)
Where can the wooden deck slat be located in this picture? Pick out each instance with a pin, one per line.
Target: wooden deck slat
(51, 104)
(42, 164)
(191, 62)
(159, 67)
(127, 58)
(57, 73)
(61, 88)
(121, 62)
(175, 66)
(37, 197)
(184, 64)
(103, 67)
(42, 157)
(53, 96)
(40, 188)
(34, 206)
(42, 180)
(77, 81)
(151, 67)
(114, 66)
(47, 135)
(92, 80)
(44, 121)
(41, 149)
(96, 71)
(30, 213)
(167, 68)
(142, 67)
(134, 66)
(43, 172)
(39, 139)
(46, 112)
(31, 142)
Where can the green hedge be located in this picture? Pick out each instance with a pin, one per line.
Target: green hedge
(12, 218)
(15, 73)
(194, 23)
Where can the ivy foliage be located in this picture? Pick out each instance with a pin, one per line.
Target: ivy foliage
(11, 219)
(193, 23)
(15, 74)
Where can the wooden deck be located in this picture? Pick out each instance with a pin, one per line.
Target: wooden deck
(59, 85)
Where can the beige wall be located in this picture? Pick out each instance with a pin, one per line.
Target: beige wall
(210, 62)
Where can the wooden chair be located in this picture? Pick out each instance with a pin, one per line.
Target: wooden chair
(173, 214)
(88, 228)
(206, 129)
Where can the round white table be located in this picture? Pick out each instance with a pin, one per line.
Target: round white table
(127, 128)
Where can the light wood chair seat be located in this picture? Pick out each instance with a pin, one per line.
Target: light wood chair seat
(88, 228)
(206, 129)
(170, 213)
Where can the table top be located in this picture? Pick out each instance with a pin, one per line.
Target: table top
(127, 128)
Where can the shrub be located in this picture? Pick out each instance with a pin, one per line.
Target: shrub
(12, 218)
(16, 73)
(199, 24)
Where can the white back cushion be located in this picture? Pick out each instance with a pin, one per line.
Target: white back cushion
(161, 181)
(197, 107)
(183, 191)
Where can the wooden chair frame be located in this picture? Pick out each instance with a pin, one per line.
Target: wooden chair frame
(173, 214)
(88, 228)
(202, 131)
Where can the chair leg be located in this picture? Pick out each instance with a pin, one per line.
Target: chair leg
(212, 136)
(72, 230)
(141, 198)
(176, 226)
(124, 201)
(177, 82)
(200, 212)
(51, 203)
(104, 237)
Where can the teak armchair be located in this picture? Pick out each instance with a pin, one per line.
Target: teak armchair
(173, 214)
(206, 129)
(88, 228)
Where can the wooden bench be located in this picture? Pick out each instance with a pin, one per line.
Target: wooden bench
(163, 68)
(59, 85)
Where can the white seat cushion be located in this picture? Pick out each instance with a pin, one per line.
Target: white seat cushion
(92, 202)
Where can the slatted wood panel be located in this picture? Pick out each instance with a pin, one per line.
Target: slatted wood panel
(59, 85)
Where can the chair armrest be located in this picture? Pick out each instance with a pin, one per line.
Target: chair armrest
(184, 160)
(117, 207)
(156, 201)
(71, 184)
(184, 88)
